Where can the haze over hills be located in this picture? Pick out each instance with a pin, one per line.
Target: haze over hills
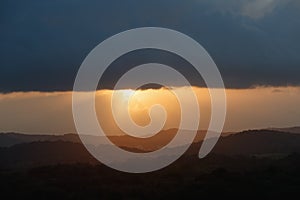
(9, 139)
(50, 49)
(259, 163)
(70, 150)
(157, 141)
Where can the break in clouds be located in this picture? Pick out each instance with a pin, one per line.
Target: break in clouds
(30, 112)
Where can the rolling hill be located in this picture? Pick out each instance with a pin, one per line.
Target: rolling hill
(247, 143)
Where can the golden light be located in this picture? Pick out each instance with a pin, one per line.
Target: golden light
(30, 112)
(140, 102)
(126, 94)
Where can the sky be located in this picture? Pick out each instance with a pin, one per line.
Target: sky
(254, 43)
(51, 112)
(43, 43)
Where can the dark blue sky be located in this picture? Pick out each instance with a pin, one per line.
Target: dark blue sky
(43, 42)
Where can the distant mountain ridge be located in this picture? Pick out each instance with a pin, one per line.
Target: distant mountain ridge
(247, 143)
(295, 129)
(9, 139)
(157, 141)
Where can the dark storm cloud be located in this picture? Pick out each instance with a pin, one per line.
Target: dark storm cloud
(44, 42)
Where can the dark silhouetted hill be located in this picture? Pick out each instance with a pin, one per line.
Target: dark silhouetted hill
(149, 144)
(44, 153)
(295, 129)
(261, 143)
(248, 165)
(258, 142)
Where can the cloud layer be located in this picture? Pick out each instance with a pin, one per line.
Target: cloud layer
(253, 42)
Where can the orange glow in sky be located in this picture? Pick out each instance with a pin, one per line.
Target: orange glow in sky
(41, 112)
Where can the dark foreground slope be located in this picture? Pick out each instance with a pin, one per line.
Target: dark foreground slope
(215, 176)
(251, 164)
